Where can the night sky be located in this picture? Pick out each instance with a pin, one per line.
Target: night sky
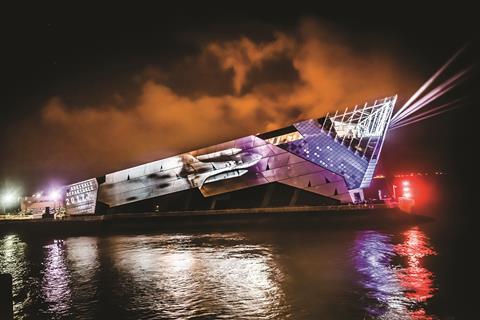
(88, 90)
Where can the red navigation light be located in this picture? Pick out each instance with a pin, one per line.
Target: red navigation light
(406, 189)
(422, 189)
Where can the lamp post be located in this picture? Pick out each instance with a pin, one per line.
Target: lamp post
(394, 192)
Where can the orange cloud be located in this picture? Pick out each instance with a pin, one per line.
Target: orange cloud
(98, 139)
(243, 55)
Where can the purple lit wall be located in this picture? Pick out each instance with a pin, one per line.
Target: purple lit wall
(226, 167)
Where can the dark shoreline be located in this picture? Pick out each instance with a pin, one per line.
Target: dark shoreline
(215, 220)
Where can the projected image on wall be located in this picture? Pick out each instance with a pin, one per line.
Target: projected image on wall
(230, 166)
(190, 170)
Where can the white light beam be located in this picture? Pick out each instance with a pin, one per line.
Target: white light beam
(432, 95)
(428, 83)
(424, 118)
(425, 113)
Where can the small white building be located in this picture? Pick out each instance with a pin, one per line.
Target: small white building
(39, 204)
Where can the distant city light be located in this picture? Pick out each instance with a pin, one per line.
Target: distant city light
(411, 174)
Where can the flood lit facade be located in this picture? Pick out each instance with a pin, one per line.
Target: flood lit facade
(317, 161)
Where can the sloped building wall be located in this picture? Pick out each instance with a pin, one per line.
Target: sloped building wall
(235, 165)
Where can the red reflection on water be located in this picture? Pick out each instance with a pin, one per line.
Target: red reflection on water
(417, 280)
(420, 314)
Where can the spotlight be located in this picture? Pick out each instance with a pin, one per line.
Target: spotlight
(54, 195)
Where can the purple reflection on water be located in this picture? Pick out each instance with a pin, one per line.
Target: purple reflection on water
(56, 279)
(373, 253)
(394, 291)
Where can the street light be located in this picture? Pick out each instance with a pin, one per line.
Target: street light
(54, 196)
(7, 199)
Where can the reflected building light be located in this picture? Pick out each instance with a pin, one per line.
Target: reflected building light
(83, 265)
(179, 261)
(161, 272)
(373, 253)
(56, 279)
(396, 292)
(8, 246)
(14, 262)
(82, 254)
(239, 279)
(246, 279)
(415, 278)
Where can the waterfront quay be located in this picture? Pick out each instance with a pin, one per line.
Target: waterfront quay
(364, 214)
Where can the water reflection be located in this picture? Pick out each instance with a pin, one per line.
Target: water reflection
(83, 264)
(209, 275)
(56, 289)
(222, 275)
(12, 261)
(68, 283)
(416, 279)
(394, 291)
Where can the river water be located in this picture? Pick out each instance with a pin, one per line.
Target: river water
(391, 273)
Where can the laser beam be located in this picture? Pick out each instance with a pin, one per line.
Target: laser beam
(429, 82)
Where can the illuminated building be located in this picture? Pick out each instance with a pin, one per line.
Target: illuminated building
(317, 161)
(37, 203)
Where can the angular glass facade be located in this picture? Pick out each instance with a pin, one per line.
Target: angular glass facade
(329, 157)
(327, 152)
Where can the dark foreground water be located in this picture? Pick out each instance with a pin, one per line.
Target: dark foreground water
(263, 274)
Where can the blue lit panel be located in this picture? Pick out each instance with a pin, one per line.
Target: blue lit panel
(318, 147)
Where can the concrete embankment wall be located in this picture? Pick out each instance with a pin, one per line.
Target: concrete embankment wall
(218, 220)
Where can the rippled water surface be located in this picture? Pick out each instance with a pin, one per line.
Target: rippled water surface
(314, 274)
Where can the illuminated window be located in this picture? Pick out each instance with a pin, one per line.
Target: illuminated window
(285, 138)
